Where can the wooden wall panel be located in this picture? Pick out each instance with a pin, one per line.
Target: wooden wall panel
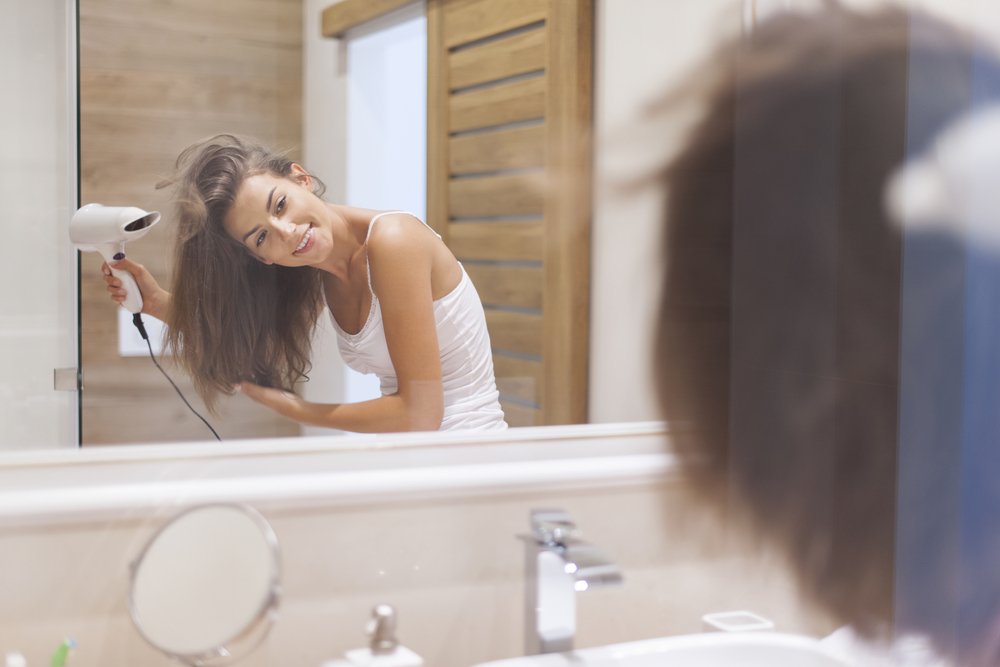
(568, 115)
(239, 41)
(514, 148)
(342, 16)
(509, 117)
(503, 240)
(466, 21)
(507, 103)
(155, 77)
(519, 53)
(506, 285)
(516, 332)
(517, 414)
(492, 196)
(519, 379)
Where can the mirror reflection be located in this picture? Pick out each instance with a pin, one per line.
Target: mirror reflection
(154, 82)
(517, 238)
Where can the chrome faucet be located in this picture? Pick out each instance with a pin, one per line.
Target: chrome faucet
(558, 565)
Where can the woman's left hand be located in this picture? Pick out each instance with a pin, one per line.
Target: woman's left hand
(281, 401)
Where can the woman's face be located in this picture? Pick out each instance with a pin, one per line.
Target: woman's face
(280, 221)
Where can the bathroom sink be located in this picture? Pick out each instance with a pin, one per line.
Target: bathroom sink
(709, 649)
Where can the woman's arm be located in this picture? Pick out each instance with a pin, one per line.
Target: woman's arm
(400, 258)
(386, 414)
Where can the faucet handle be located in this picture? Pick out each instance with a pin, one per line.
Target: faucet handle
(553, 527)
(382, 629)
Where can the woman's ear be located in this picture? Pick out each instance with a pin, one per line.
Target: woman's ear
(300, 175)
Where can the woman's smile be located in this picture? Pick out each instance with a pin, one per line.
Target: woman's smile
(306, 243)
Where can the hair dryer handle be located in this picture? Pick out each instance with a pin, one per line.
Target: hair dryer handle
(133, 297)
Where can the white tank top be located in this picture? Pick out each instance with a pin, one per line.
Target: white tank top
(471, 399)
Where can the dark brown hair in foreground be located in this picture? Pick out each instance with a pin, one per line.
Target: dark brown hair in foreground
(778, 337)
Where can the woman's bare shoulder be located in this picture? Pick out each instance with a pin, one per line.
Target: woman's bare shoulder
(396, 231)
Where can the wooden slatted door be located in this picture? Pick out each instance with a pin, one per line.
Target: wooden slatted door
(508, 148)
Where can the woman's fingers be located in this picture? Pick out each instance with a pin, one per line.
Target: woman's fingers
(117, 294)
(283, 402)
(113, 285)
(113, 282)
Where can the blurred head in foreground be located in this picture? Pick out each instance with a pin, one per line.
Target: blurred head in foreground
(778, 342)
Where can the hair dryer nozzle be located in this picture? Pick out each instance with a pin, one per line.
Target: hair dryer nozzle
(93, 225)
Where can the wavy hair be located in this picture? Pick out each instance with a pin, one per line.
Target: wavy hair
(233, 318)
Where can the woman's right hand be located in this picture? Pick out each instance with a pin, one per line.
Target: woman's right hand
(155, 299)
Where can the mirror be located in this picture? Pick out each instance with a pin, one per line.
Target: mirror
(145, 94)
(205, 587)
(250, 90)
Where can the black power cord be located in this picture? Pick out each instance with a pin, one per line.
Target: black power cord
(137, 321)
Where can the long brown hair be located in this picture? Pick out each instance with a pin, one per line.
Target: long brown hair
(778, 335)
(233, 318)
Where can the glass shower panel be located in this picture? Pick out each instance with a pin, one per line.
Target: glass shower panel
(38, 188)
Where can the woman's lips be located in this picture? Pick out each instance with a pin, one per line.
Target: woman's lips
(305, 243)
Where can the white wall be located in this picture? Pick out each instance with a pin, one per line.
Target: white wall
(38, 321)
(642, 48)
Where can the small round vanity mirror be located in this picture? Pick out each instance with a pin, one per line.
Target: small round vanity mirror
(205, 588)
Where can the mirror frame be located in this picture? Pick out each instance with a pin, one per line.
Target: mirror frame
(50, 487)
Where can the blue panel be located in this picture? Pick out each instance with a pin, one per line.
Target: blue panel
(949, 461)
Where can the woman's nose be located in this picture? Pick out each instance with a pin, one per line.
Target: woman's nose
(284, 230)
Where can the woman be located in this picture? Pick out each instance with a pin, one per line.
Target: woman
(781, 346)
(258, 252)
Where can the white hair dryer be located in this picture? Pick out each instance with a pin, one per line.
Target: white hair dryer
(106, 229)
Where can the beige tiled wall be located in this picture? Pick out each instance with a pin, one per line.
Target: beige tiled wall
(453, 571)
